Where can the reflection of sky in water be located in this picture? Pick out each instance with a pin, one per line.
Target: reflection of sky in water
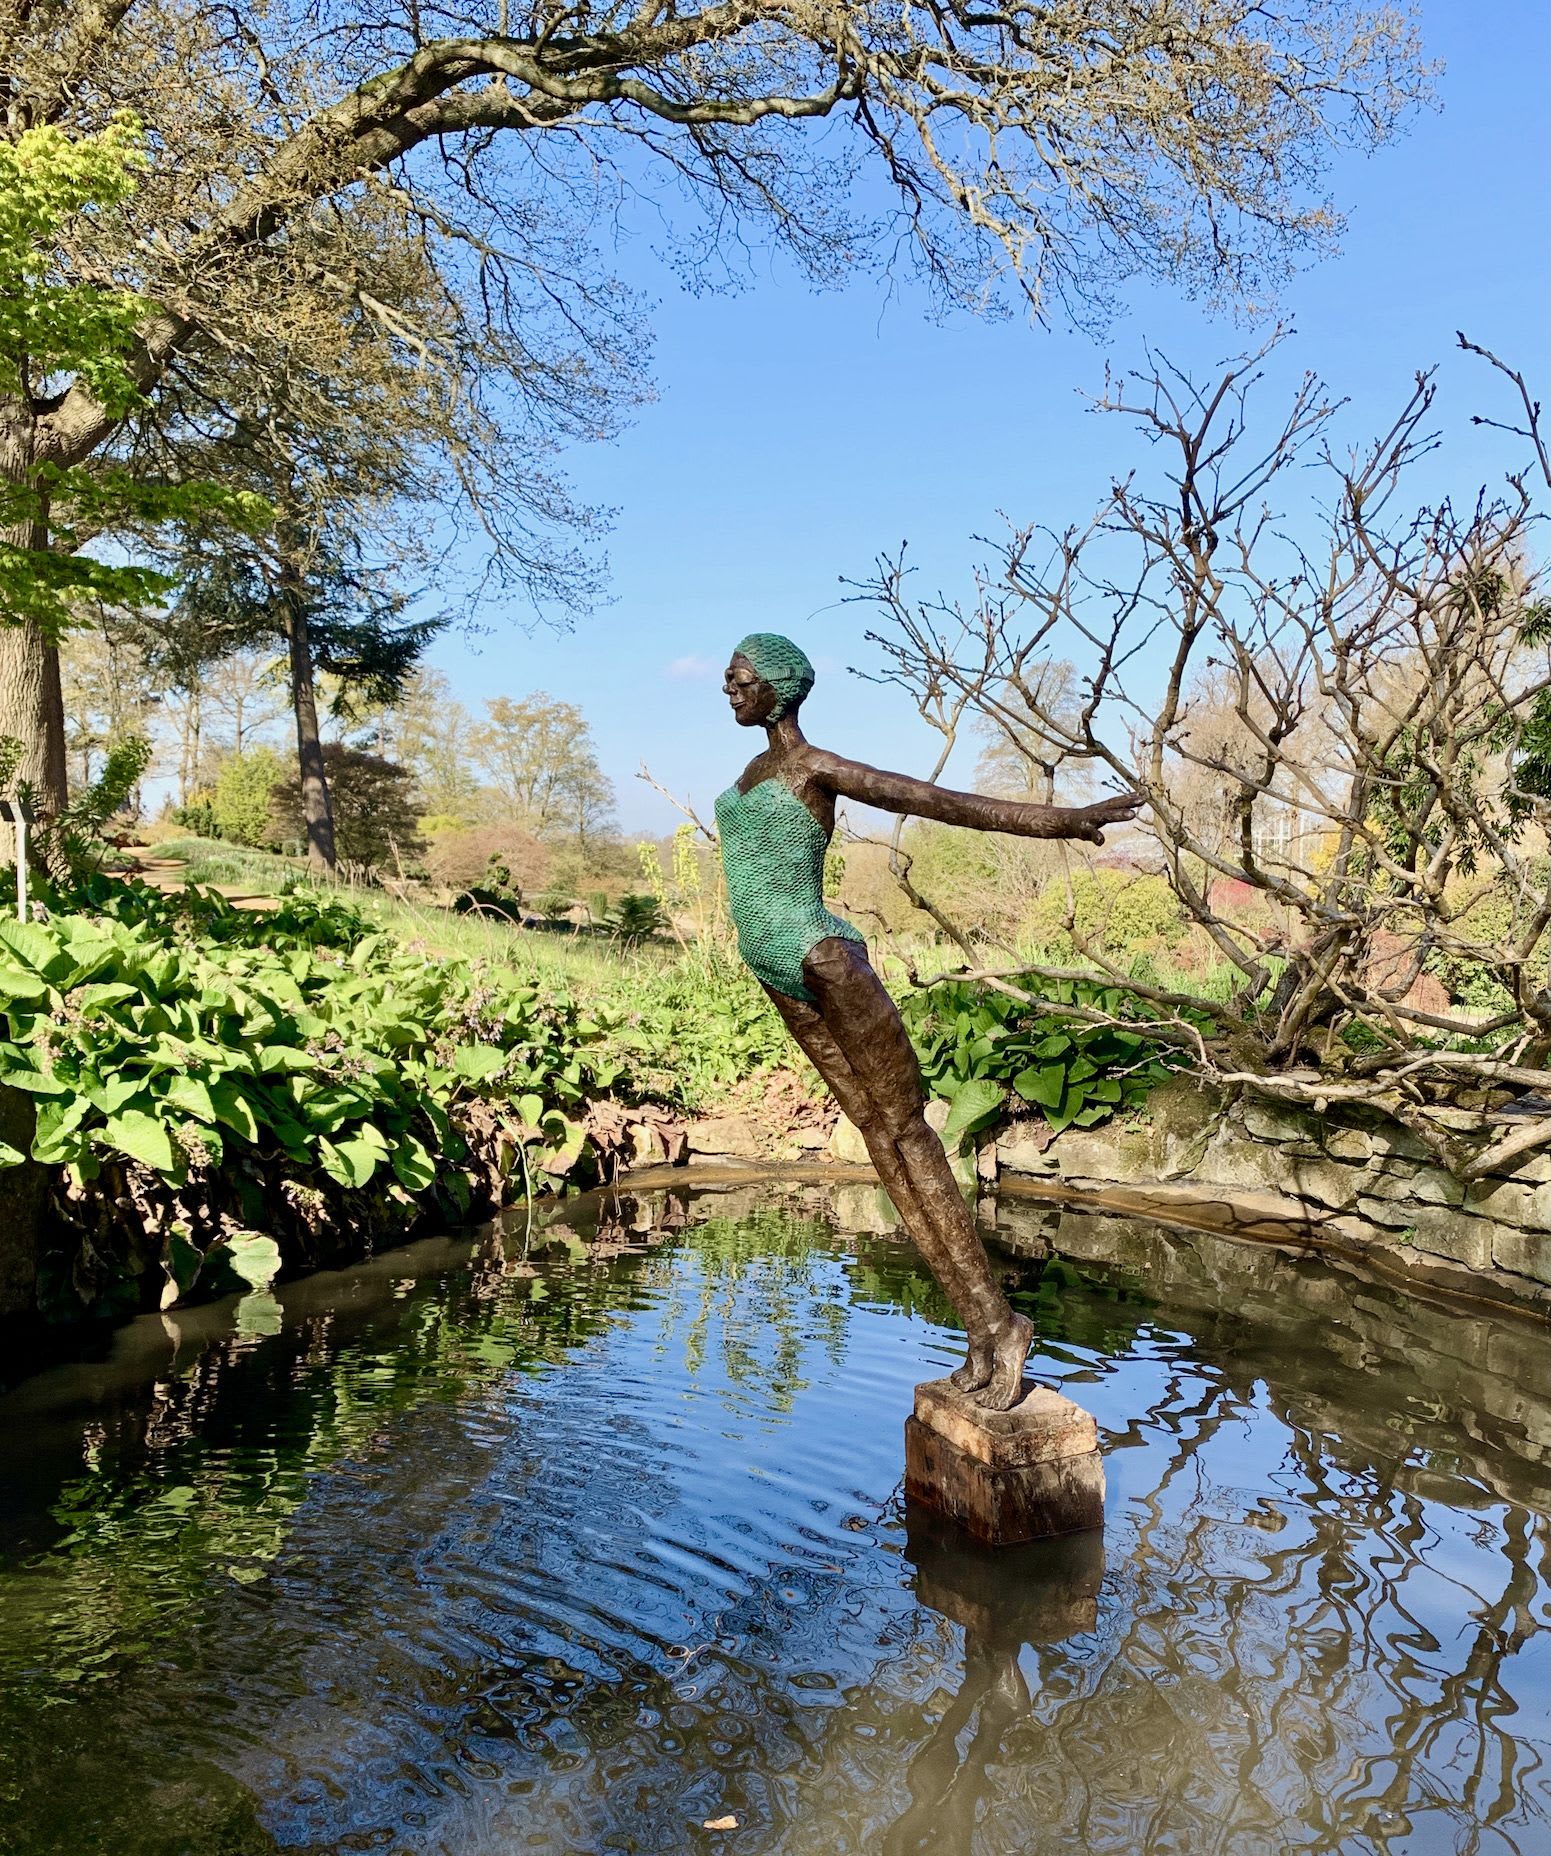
(570, 1558)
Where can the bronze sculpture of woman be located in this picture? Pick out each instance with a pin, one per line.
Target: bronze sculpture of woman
(775, 825)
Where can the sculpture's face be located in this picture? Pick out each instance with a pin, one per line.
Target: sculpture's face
(752, 699)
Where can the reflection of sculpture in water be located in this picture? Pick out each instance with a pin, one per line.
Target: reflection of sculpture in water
(775, 825)
(1005, 1600)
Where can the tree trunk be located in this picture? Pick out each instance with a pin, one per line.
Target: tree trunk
(317, 809)
(32, 704)
(188, 756)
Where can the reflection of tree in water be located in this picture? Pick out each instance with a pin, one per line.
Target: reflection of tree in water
(1292, 1663)
(207, 1464)
(765, 1287)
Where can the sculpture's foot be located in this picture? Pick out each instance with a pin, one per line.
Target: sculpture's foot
(979, 1365)
(1005, 1386)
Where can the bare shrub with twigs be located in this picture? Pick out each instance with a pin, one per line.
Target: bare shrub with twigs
(1344, 717)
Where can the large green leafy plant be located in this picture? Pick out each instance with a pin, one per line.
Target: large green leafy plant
(989, 1054)
(221, 1097)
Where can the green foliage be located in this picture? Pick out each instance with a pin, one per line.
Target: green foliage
(72, 840)
(50, 329)
(1532, 750)
(305, 917)
(958, 869)
(983, 1052)
(636, 916)
(199, 1071)
(240, 805)
(198, 816)
(1492, 921)
(376, 808)
(691, 1027)
(1118, 911)
(47, 327)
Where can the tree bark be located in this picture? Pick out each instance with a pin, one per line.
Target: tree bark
(189, 744)
(317, 808)
(32, 705)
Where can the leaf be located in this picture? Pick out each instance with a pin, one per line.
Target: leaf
(977, 1104)
(92, 998)
(37, 948)
(477, 1063)
(18, 983)
(273, 1058)
(241, 1260)
(142, 1137)
(191, 1095)
(113, 1097)
(1041, 1084)
(9, 1155)
(729, 1822)
(234, 1109)
(413, 1165)
(352, 1163)
(36, 1083)
(181, 1259)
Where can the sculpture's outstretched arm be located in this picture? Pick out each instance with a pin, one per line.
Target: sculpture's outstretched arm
(898, 792)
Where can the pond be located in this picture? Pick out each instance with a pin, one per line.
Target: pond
(590, 1538)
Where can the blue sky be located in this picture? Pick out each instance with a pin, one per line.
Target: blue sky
(796, 435)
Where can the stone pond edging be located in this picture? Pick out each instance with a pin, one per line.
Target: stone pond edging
(1350, 1180)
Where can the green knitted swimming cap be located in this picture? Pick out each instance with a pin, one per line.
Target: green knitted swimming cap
(782, 664)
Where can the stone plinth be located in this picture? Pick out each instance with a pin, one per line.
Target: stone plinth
(1005, 1476)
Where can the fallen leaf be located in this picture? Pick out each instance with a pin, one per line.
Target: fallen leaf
(720, 1823)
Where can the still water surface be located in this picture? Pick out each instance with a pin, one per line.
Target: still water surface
(571, 1550)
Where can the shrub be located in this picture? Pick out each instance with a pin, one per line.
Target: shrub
(221, 1095)
(986, 1053)
(198, 816)
(636, 916)
(376, 810)
(464, 856)
(240, 804)
(1122, 912)
(485, 899)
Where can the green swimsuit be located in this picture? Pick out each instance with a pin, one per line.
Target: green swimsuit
(773, 855)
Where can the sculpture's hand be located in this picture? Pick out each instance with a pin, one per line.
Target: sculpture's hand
(1088, 822)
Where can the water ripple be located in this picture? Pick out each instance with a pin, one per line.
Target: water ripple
(570, 1552)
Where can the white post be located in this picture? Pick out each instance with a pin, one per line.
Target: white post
(21, 864)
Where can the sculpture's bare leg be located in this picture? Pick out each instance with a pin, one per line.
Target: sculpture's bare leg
(864, 1028)
(809, 1030)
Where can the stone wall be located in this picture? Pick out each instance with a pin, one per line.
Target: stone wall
(1348, 1179)
(1352, 1181)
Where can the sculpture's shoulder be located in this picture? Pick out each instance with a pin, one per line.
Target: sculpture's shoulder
(818, 766)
